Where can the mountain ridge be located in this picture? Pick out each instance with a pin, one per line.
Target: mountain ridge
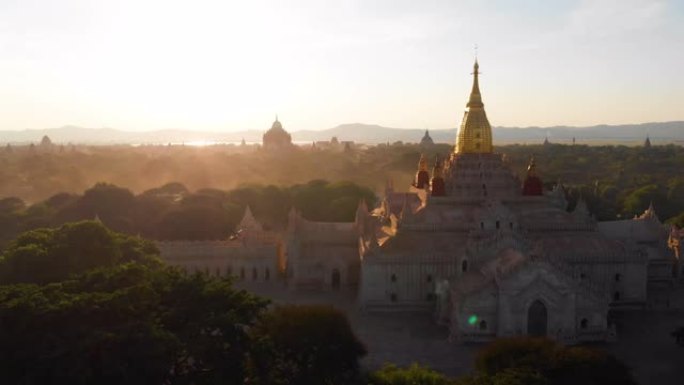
(672, 131)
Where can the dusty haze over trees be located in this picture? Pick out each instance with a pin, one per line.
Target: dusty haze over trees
(184, 192)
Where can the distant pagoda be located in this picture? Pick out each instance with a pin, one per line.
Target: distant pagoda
(277, 138)
(427, 140)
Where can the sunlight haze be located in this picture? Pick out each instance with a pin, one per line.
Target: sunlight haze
(232, 65)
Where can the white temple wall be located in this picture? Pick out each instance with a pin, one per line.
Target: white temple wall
(625, 281)
(409, 282)
(322, 267)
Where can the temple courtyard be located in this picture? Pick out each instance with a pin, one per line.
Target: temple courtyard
(644, 340)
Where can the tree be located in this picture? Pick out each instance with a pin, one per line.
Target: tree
(51, 255)
(109, 203)
(677, 220)
(305, 345)
(509, 376)
(413, 375)
(524, 359)
(639, 200)
(128, 324)
(11, 205)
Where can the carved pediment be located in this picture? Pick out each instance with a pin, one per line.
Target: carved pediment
(536, 281)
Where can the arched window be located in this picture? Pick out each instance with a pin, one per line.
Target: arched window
(616, 296)
(510, 225)
(429, 278)
(498, 225)
(393, 278)
(255, 274)
(464, 266)
(584, 323)
(393, 297)
(267, 274)
(618, 277)
(483, 325)
(481, 225)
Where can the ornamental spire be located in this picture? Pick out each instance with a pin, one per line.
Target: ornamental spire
(475, 97)
(475, 133)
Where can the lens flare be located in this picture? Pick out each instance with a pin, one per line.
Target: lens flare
(472, 320)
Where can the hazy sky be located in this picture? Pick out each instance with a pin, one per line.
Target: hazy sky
(232, 65)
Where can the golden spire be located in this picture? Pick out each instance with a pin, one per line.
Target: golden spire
(475, 133)
(475, 97)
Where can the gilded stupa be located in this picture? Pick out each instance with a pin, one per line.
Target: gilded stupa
(475, 133)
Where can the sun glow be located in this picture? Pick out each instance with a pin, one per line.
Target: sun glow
(201, 143)
(230, 65)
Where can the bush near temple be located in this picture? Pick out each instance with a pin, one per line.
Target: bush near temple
(305, 344)
(542, 361)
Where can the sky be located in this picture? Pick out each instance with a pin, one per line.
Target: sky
(230, 65)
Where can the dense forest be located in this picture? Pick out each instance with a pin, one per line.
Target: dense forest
(171, 212)
(184, 192)
(81, 304)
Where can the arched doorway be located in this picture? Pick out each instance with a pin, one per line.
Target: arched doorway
(335, 281)
(537, 319)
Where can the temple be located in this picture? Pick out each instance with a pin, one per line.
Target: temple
(491, 255)
(426, 141)
(277, 138)
(487, 254)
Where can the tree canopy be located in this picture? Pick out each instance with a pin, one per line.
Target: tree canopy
(171, 212)
(413, 375)
(305, 344)
(54, 254)
(542, 361)
(129, 324)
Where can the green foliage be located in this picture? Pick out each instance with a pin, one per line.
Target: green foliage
(129, 324)
(677, 220)
(615, 181)
(305, 345)
(508, 376)
(639, 200)
(171, 212)
(11, 205)
(542, 361)
(50, 255)
(412, 375)
(332, 202)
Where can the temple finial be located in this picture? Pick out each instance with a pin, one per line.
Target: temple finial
(475, 133)
(475, 96)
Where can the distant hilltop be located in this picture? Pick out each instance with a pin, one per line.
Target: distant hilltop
(660, 133)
